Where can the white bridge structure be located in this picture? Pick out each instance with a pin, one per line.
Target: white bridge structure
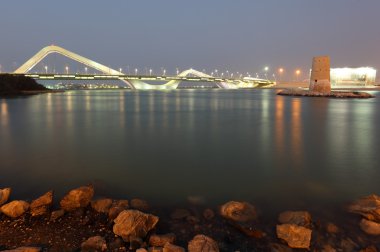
(132, 81)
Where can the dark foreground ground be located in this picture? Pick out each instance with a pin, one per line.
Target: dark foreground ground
(68, 232)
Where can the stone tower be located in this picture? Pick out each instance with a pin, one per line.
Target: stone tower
(320, 75)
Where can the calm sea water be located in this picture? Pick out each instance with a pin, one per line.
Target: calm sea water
(216, 144)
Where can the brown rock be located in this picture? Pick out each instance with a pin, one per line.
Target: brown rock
(348, 245)
(300, 218)
(139, 204)
(57, 214)
(156, 240)
(369, 249)
(332, 228)
(134, 223)
(202, 243)
(41, 205)
(370, 227)
(238, 211)
(172, 248)
(95, 243)
(4, 195)
(328, 248)
(208, 214)
(369, 207)
(24, 249)
(117, 207)
(180, 214)
(141, 250)
(155, 249)
(15, 208)
(295, 236)
(77, 198)
(101, 205)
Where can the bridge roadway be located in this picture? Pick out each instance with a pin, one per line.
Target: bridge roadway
(47, 76)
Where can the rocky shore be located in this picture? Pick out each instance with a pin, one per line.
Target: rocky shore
(332, 94)
(82, 222)
(19, 85)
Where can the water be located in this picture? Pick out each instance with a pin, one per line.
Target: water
(216, 144)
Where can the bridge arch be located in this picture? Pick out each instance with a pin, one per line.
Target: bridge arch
(133, 84)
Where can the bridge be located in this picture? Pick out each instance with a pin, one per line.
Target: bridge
(132, 81)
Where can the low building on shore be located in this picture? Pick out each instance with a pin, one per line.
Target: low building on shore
(352, 77)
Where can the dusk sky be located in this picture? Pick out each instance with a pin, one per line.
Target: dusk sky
(236, 35)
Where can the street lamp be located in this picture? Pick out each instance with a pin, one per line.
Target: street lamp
(67, 69)
(164, 72)
(177, 70)
(298, 72)
(120, 70)
(46, 69)
(85, 69)
(150, 71)
(136, 71)
(266, 71)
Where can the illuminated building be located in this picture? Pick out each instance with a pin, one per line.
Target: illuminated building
(362, 76)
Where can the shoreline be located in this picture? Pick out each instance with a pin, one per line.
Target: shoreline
(232, 226)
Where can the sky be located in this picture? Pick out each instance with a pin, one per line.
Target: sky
(235, 35)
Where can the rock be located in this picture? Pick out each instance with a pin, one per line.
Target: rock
(116, 244)
(300, 218)
(369, 249)
(139, 204)
(160, 240)
(95, 243)
(134, 223)
(168, 247)
(117, 207)
(135, 242)
(202, 243)
(328, 248)
(24, 249)
(15, 208)
(41, 205)
(238, 211)
(57, 214)
(101, 205)
(4, 195)
(369, 207)
(77, 198)
(295, 236)
(208, 214)
(370, 227)
(155, 249)
(348, 245)
(180, 214)
(332, 228)
(141, 250)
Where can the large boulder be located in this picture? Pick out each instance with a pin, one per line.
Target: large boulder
(95, 243)
(133, 223)
(300, 218)
(15, 209)
(369, 207)
(202, 243)
(77, 198)
(295, 236)
(160, 240)
(168, 247)
(238, 211)
(41, 205)
(4, 195)
(370, 227)
(101, 205)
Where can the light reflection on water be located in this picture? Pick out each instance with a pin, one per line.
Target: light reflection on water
(244, 144)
